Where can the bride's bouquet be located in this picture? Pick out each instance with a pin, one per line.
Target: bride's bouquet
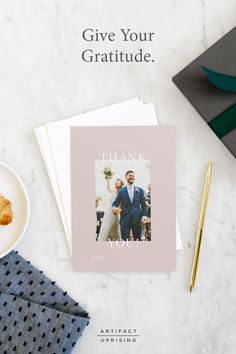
(108, 173)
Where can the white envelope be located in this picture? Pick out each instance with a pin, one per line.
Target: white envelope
(54, 143)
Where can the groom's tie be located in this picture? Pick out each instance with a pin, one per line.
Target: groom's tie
(131, 193)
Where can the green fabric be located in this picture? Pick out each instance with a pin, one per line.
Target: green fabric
(224, 122)
(222, 81)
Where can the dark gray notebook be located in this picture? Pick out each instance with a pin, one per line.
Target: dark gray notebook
(206, 98)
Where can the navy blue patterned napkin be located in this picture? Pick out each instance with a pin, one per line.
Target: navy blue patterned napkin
(36, 316)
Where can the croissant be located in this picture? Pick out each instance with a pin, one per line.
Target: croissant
(6, 214)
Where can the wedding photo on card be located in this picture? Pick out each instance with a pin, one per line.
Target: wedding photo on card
(123, 198)
(123, 209)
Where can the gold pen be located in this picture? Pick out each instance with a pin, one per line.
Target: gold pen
(200, 226)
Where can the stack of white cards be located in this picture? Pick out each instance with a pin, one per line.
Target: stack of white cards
(54, 143)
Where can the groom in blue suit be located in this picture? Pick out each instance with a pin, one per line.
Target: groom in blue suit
(130, 203)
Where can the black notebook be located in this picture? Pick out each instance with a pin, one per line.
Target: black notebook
(206, 98)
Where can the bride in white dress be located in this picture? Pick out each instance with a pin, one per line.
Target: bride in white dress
(110, 228)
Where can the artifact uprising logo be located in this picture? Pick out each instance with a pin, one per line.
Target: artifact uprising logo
(121, 335)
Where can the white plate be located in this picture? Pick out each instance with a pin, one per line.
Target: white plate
(12, 188)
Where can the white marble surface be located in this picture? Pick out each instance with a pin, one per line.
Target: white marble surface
(42, 78)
